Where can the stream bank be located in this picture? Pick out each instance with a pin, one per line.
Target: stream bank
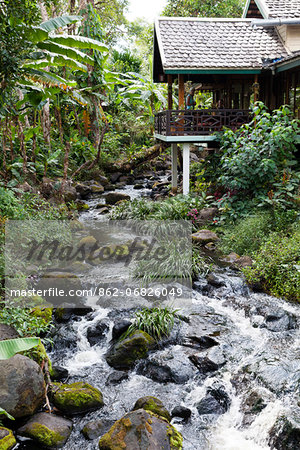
(230, 371)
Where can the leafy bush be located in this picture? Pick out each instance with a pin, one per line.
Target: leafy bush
(25, 322)
(277, 266)
(158, 322)
(250, 233)
(255, 154)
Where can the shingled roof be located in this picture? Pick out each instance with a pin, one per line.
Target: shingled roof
(196, 44)
(282, 9)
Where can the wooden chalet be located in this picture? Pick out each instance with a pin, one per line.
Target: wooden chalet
(233, 62)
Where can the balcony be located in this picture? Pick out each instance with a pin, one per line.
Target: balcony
(197, 125)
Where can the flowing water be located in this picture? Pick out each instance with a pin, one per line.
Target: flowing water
(257, 335)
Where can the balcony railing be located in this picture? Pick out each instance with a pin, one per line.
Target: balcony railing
(198, 122)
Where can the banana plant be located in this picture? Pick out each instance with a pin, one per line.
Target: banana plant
(58, 50)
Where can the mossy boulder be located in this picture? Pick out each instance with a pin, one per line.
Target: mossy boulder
(88, 241)
(39, 355)
(82, 206)
(7, 439)
(113, 197)
(44, 314)
(97, 188)
(204, 237)
(47, 429)
(140, 430)
(152, 404)
(76, 398)
(126, 352)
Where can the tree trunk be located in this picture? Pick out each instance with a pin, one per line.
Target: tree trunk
(59, 123)
(45, 118)
(128, 164)
(22, 145)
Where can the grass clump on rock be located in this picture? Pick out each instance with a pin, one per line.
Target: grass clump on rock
(157, 322)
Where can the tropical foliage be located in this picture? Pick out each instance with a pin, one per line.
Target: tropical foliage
(204, 8)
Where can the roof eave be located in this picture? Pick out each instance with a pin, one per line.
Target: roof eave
(212, 70)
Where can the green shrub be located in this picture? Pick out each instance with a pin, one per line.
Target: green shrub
(25, 322)
(248, 234)
(276, 266)
(255, 154)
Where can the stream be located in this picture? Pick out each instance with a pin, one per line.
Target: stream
(252, 338)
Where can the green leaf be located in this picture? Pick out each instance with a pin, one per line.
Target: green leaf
(55, 60)
(80, 42)
(73, 53)
(5, 413)
(59, 22)
(10, 347)
(41, 76)
(37, 34)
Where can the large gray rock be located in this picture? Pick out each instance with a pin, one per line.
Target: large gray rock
(126, 352)
(70, 194)
(140, 430)
(7, 332)
(285, 435)
(210, 361)
(278, 319)
(114, 197)
(47, 429)
(171, 365)
(206, 215)
(83, 190)
(215, 402)
(22, 386)
(96, 428)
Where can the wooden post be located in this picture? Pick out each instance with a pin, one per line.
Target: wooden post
(170, 93)
(174, 168)
(186, 168)
(255, 89)
(181, 103)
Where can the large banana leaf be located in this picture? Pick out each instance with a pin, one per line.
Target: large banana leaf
(5, 413)
(59, 22)
(37, 34)
(80, 42)
(59, 49)
(54, 60)
(79, 98)
(10, 347)
(42, 76)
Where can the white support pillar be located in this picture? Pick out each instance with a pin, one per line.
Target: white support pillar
(186, 168)
(174, 168)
